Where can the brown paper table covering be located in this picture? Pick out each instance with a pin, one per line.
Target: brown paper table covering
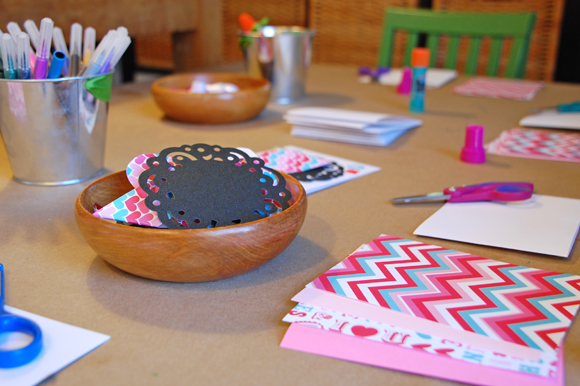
(227, 332)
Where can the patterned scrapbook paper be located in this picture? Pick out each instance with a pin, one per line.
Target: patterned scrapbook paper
(499, 88)
(292, 160)
(130, 207)
(380, 332)
(538, 144)
(526, 306)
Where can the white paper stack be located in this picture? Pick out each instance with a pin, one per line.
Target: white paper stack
(351, 126)
(435, 78)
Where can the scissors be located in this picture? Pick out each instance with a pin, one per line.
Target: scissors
(490, 191)
(10, 323)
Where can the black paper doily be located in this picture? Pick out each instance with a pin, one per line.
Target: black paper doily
(321, 173)
(203, 186)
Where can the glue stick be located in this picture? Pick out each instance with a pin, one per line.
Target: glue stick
(419, 63)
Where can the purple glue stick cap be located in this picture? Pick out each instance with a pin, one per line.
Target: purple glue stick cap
(473, 151)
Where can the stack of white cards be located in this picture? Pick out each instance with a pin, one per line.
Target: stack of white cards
(363, 128)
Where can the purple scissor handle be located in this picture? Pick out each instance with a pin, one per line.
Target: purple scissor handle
(490, 191)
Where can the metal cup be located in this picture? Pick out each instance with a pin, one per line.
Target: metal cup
(53, 130)
(282, 55)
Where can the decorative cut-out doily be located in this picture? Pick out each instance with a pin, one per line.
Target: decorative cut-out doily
(203, 186)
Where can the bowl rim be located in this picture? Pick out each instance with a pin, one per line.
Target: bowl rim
(264, 85)
(82, 212)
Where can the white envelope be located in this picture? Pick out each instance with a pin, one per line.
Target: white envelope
(553, 119)
(435, 78)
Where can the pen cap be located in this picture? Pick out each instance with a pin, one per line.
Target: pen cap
(76, 36)
(58, 41)
(45, 38)
(13, 29)
(23, 51)
(8, 52)
(420, 57)
(89, 43)
(32, 30)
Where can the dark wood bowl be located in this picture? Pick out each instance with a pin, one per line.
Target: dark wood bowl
(172, 96)
(189, 255)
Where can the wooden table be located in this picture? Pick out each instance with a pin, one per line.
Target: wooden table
(227, 332)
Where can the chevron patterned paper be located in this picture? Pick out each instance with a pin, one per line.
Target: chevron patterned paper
(520, 90)
(523, 305)
(539, 144)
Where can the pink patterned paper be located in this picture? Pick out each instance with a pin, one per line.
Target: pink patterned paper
(291, 160)
(537, 144)
(499, 88)
(130, 207)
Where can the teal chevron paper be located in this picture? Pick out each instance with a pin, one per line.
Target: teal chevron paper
(522, 305)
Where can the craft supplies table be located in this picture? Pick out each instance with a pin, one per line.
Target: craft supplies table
(228, 332)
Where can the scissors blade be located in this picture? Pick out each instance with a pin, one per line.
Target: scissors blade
(431, 197)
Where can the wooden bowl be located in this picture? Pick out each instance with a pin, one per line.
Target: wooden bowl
(189, 255)
(172, 96)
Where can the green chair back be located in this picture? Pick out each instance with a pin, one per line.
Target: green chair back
(497, 26)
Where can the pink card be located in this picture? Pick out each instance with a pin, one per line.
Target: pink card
(363, 328)
(350, 348)
(499, 88)
(539, 144)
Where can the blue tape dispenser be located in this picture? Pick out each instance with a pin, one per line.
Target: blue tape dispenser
(10, 323)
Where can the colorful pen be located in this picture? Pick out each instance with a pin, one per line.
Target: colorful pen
(56, 64)
(60, 45)
(43, 51)
(1, 60)
(8, 57)
(23, 55)
(98, 57)
(76, 37)
(14, 29)
(32, 30)
(88, 44)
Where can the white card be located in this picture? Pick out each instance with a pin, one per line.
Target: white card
(542, 224)
(62, 344)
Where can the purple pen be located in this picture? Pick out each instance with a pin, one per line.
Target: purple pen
(43, 51)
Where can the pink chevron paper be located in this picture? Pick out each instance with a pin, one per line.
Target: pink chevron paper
(328, 320)
(499, 88)
(130, 207)
(537, 144)
(339, 346)
(291, 160)
(505, 303)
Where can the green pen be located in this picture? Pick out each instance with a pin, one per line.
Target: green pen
(8, 56)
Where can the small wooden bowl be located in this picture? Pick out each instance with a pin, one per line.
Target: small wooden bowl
(172, 96)
(189, 255)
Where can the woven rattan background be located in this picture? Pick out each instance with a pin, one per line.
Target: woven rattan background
(287, 12)
(349, 31)
(543, 45)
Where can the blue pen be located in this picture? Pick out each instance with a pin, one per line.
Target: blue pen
(419, 63)
(9, 57)
(58, 59)
(23, 55)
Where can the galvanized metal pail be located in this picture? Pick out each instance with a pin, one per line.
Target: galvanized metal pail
(282, 55)
(53, 130)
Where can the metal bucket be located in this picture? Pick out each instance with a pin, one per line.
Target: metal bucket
(282, 55)
(53, 130)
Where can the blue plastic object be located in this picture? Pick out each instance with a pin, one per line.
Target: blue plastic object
(11, 323)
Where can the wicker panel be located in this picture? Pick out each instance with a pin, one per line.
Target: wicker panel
(154, 51)
(349, 32)
(281, 13)
(544, 43)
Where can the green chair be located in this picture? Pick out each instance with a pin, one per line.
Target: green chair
(475, 26)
